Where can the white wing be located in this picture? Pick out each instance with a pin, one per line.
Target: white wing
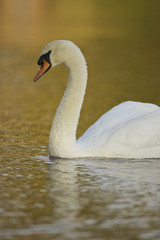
(123, 128)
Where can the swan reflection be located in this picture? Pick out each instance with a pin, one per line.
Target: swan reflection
(86, 191)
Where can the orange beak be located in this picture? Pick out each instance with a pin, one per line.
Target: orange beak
(43, 69)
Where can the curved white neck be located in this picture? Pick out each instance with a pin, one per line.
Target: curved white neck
(62, 138)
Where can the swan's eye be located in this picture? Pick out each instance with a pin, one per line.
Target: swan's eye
(40, 61)
(45, 57)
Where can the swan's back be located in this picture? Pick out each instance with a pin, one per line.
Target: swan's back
(124, 128)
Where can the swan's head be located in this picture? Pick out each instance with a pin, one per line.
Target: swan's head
(55, 53)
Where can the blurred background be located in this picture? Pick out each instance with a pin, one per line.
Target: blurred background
(121, 43)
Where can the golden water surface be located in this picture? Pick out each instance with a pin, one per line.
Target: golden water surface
(75, 199)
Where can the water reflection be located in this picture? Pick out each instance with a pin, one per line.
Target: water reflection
(107, 195)
(64, 188)
(80, 199)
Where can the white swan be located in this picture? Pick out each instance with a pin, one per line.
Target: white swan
(129, 130)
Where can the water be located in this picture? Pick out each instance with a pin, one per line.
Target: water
(42, 198)
(80, 199)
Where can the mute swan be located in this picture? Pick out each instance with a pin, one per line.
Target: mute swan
(129, 130)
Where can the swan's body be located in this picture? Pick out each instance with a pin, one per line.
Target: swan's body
(129, 130)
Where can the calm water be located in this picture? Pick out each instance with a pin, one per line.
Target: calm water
(42, 198)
